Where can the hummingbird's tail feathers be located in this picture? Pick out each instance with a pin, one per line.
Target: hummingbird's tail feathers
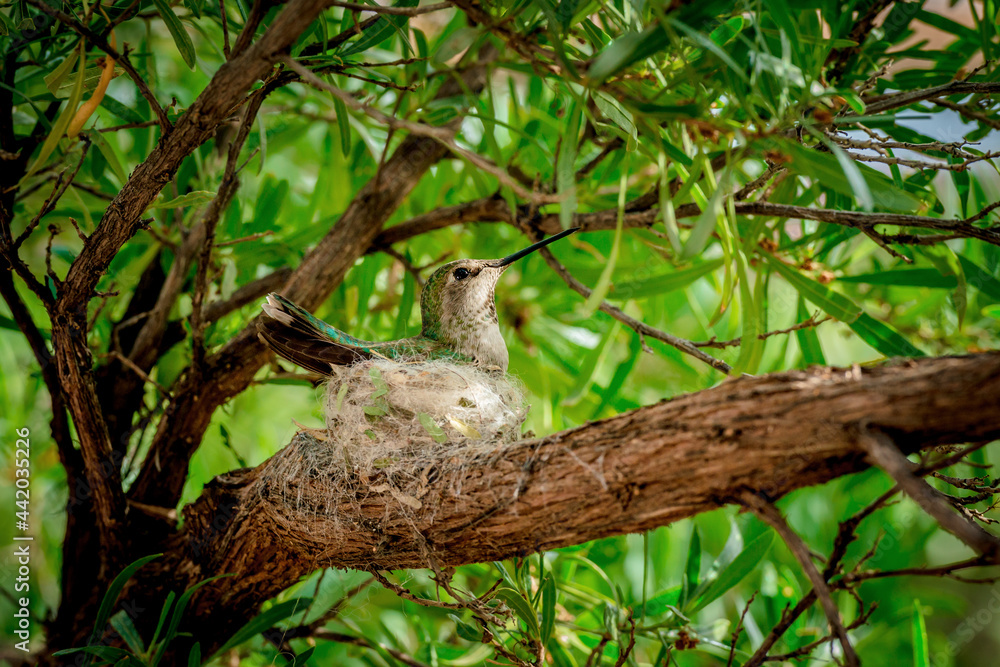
(306, 340)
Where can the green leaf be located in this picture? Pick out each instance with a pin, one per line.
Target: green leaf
(433, 430)
(588, 366)
(521, 609)
(194, 657)
(829, 171)
(920, 649)
(707, 44)
(54, 79)
(194, 198)
(604, 281)
(466, 631)
(177, 31)
(164, 613)
(859, 187)
(618, 114)
(751, 318)
(667, 204)
(379, 31)
(302, 658)
(454, 44)
(693, 568)
(904, 278)
(883, 337)
(175, 617)
(809, 345)
(980, 278)
(111, 596)
(548, 609)
(667, 600)
(406, 303)
(947, 262)
(126, 113)
(662, 112)
(62, 122)
(626, 50)
(8, 323)
(624, 368)
(122, 624)
(109, 154)
(264, 621)
(703, 227)
(663, 283)
(566, 165)
(110, 654)
(833, 303)
(343, 124)
(735, 572)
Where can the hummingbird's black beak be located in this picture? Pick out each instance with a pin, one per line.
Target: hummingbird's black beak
(510, 259)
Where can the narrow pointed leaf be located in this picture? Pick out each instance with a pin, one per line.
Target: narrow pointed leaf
(177, 31)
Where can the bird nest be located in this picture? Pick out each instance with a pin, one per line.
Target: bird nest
(393, 429)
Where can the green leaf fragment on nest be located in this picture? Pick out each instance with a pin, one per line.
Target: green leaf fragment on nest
(433, 430)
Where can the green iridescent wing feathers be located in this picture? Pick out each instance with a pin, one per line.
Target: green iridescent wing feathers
(306, 340)
(309, 342)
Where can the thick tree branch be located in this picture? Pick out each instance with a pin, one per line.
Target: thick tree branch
(647, 468)
(118, 225)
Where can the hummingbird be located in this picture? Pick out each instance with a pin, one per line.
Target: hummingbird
(457, 311)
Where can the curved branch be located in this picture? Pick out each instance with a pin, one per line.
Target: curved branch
(493, 209)
(768, 435)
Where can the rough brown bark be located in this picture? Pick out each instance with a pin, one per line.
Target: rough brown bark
(120, 221)
(767, 435)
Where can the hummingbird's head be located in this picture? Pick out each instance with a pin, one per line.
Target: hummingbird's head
(457, 305)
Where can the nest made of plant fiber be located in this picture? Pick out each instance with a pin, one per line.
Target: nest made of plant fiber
(393, 428)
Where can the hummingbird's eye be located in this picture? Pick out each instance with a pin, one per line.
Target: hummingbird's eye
(461, 273)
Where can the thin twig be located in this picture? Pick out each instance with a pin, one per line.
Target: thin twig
(364, 642)
(128, 126)
(947, 571)
(128, 363)
(968, 112)
(60, 187)
(245, 239)
(443, 135)
(393, 11)
(806, 324)
(639, 327)
(407, 595)
(225, 29)
(887, 456)
(406, 263)
(739, 629)
(770, 515)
